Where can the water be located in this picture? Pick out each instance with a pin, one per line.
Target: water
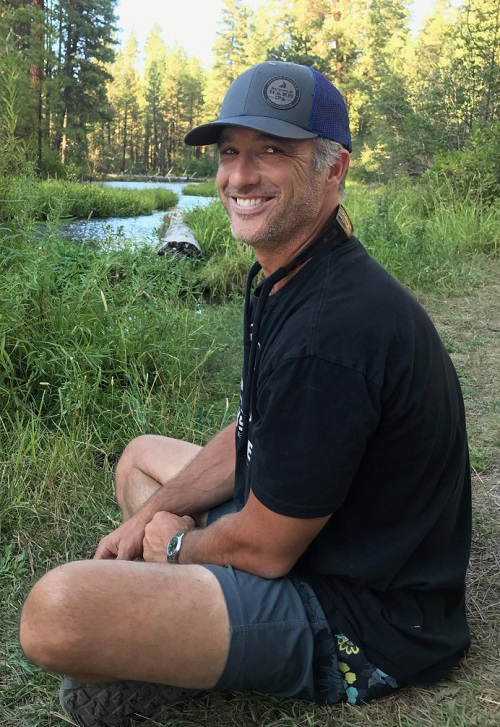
(141, 229)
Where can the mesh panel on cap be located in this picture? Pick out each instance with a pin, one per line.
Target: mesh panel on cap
(328, 113)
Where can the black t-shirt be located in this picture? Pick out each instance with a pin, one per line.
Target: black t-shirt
(358, 414)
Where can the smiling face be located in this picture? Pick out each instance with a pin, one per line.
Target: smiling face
(270, 190)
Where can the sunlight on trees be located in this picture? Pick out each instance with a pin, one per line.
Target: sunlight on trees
(83, 106)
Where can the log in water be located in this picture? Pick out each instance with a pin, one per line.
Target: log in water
(179, 238)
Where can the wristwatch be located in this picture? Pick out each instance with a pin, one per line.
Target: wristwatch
(174, 547)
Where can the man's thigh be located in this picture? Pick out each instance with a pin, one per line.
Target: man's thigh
(272, 645)
(273, 636)
(110, 620)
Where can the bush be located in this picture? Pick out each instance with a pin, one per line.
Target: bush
(52, 167)
(205, 166)
(475, 170)
(201, 189)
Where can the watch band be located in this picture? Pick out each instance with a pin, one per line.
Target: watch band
(174, 547)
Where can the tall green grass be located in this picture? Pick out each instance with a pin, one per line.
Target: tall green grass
(201, 189)
(53, 199)
(95, 348)
(425, 235)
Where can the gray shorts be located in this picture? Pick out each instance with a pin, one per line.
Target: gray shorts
(281, 642)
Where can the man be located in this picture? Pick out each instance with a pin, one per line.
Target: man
(325, 557)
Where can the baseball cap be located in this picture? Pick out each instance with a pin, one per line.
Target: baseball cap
(281, 99)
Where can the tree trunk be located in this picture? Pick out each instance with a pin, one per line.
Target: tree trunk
(336, 17)
(64, 137)
(124, 145)
(37, 77)
(492, 75)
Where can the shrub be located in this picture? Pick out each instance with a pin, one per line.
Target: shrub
(474, 170)
(201, 189)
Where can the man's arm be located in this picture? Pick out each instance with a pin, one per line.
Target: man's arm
(255, 540)
(206, 481)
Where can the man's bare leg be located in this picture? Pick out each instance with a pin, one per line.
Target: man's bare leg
(103, 621)
(109, 620)
(162, 474)
(147, 464)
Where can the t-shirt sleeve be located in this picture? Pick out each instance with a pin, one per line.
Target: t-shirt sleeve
(313, 423)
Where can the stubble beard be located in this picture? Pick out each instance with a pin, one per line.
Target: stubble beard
(286, 224)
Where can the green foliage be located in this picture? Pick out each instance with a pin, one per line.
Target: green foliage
(51, 200)
(475, 170)
(423, 234)
(203, 166)
(226, 261)
(13, 159)
(201, 189)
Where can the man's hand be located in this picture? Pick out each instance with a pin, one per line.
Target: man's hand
(124, 543)
(158, 532)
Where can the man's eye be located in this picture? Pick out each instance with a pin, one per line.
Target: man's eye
(226, 152)
(273, 150)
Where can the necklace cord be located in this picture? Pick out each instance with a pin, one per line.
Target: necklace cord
(338, 229)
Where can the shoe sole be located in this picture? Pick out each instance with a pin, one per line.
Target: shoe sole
(117, 704)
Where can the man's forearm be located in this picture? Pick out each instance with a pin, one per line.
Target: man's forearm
(206, 481)
(226, 542)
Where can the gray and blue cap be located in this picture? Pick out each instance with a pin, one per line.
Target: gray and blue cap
(281, 99)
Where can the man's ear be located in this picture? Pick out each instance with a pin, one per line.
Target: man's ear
(338, 170)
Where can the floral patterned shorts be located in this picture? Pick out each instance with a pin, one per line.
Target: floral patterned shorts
(342, 673)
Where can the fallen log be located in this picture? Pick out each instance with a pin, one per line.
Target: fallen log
(179, 238)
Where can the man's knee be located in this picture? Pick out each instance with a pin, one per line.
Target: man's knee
(49, 630)
(129, 464)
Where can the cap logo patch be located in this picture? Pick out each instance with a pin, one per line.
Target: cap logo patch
(281, 92)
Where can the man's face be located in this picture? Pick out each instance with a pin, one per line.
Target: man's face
(269, 188)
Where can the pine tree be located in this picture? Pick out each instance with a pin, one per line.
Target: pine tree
(84, 45)
(230, 53)
(124, 99)
(155, 130)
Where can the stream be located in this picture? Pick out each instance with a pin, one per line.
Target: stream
(141, 229)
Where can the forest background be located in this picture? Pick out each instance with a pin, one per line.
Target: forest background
(85, 106)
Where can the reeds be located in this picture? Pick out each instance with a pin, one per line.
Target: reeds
(52, 199)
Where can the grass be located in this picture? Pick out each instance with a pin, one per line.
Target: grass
(53, 199)
(201, 189)
(97, 346)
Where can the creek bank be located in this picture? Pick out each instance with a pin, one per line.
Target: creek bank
(141, 229)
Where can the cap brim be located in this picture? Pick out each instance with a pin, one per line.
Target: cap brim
(209, 133)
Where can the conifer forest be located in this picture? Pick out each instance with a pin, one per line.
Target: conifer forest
(83, 104)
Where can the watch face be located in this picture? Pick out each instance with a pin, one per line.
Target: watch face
(172, 545)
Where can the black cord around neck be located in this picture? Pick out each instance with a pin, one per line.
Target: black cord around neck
(337, 229)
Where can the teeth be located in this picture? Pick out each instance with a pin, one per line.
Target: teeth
(248, 202)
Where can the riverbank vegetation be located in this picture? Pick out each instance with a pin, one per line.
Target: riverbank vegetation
(53, 200)
(201, 189)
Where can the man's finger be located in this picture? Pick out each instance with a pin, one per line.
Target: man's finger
(104, 551)
(126, 552)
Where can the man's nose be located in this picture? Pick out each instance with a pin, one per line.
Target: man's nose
(244, 171)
